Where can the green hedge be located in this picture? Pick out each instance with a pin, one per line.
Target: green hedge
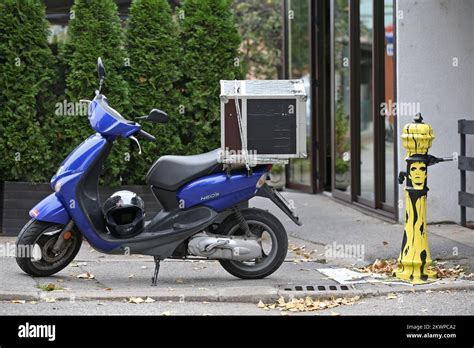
(94, 31)
(155, 60)
(153, 52)
(210, 42)
(25, 101)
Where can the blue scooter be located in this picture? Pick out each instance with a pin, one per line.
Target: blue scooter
(200, 215)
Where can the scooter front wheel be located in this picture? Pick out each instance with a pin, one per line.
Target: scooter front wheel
(273, 239)
(34, 248)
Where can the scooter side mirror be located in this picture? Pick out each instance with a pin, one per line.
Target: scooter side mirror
(100, 70)
(157, 116)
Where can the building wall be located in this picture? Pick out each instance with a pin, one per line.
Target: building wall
(432, 36)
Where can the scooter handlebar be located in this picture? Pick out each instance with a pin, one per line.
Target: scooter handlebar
(144, 135)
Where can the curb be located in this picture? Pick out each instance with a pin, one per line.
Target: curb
(253, 295)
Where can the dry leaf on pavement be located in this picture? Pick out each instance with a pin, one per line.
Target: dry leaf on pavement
(381, 267)
(136, 300)
(86, 275)
(301, 251)
(307, 304)
(18, 301)
(453, 272)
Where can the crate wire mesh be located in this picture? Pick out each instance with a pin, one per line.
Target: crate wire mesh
(262, 121)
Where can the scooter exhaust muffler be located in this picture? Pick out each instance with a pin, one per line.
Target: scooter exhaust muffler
(214, 246)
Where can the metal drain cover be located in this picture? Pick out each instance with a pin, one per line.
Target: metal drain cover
(316, 288)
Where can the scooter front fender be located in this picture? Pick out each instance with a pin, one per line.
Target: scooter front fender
(50, 209)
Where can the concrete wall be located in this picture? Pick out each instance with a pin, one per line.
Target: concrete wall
(433, 36)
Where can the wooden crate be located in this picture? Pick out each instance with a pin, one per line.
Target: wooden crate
(273, 121)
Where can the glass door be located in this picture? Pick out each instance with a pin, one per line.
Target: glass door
(341, 136)
(366, 136)
(362, 86)
(300, 173)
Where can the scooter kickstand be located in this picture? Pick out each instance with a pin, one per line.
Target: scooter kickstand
(154, 280)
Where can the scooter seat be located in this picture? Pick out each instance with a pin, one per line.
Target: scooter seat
(171, 172)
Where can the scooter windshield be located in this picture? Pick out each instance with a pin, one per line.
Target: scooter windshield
(107, 121)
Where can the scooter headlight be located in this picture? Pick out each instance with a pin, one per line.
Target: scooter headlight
(262, 180)
(58, 186)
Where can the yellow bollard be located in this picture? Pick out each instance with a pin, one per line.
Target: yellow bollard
(415, 257)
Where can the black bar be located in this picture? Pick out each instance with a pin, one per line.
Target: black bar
(465, 163)
(463, 175)
(466, 199)
(378, 96)
(354, 85)
(291, 331)
(465, 127)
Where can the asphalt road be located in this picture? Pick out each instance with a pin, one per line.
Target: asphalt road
(418, 303)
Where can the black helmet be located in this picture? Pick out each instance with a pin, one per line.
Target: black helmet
(125, 214)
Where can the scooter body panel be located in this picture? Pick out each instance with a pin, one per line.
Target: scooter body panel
(220, 191)
(79, 160)
(65, 184)
(103, 122)
(50, 209)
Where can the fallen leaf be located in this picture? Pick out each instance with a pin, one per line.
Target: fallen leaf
(307, 304)
(386, 267)
(108, 289)
(429, 291)
(149, 300)
(166, 314)
(49, 300)
(131, 276)
(391, 296)
(453, 272)
(335, 313)
(136, 300)
(18, 301)
(385, 243)
(33, 302)
(86, 275)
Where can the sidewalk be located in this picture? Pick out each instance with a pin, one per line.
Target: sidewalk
(325, 222)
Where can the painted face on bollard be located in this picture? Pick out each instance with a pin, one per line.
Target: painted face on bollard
(418, 174)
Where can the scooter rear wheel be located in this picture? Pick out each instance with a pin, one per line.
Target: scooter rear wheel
(267, 228)
(34, 248)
